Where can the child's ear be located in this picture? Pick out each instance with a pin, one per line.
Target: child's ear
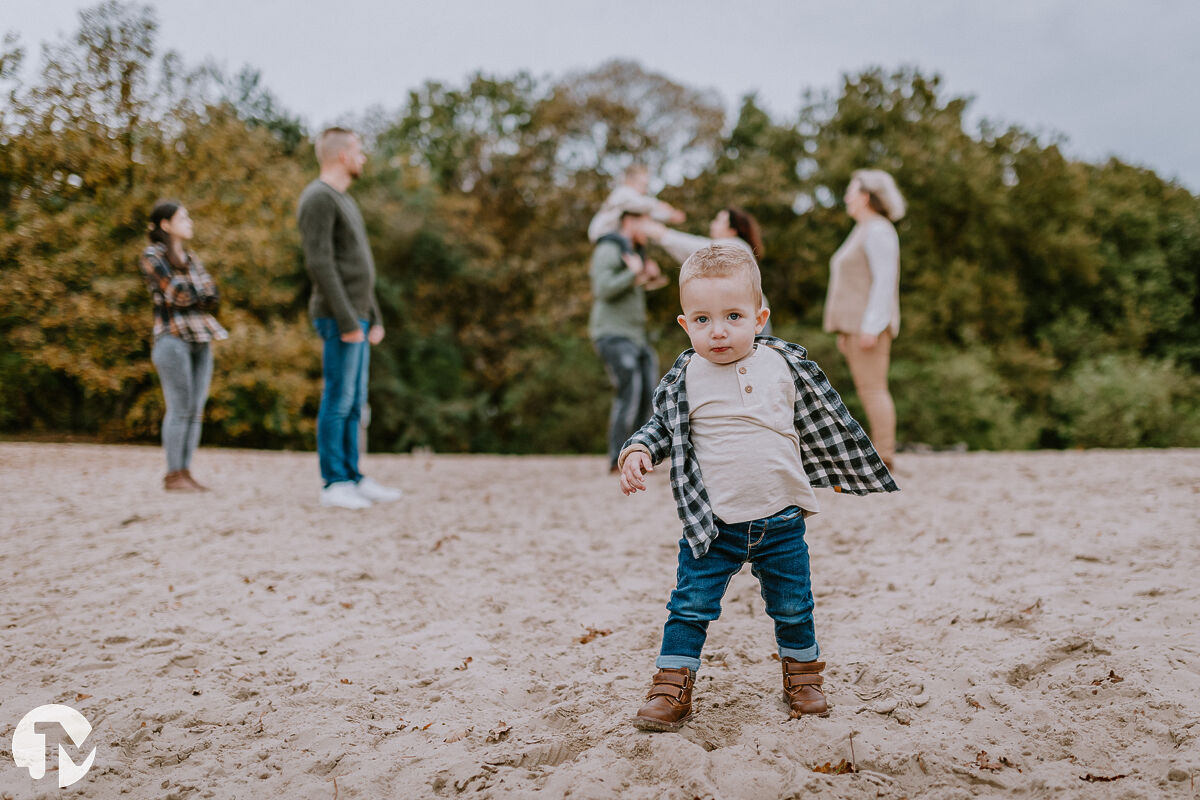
(760, 319)
(682, 320)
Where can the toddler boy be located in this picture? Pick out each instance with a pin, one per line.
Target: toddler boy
(762, 425)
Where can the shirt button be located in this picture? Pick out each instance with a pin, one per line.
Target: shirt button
(742, 370)
(749, 389)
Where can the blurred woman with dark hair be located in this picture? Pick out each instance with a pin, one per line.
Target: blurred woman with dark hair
(863, 303)
(731, 225)
(185, 299)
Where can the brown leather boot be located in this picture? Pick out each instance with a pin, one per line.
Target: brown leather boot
(197, 485)
(802, 684)
(177, 482)
(669, 701)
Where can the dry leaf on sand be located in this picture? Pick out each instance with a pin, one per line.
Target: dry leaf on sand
(843, 767)
(458, 735)
(593, 633)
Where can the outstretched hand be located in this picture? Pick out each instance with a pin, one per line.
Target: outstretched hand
(636, 465)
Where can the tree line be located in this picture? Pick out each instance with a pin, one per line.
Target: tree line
(1046, 302)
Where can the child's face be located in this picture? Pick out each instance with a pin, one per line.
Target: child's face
(721, 317)
(639, 180)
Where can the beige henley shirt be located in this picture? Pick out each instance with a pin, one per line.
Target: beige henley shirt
(744, 434)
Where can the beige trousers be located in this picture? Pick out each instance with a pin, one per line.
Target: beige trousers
(869, 368)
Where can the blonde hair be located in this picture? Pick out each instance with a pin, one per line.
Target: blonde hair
(885, 195)
(332, 142)
(722, 260)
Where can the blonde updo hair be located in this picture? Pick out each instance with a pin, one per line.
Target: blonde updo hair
(885, 197)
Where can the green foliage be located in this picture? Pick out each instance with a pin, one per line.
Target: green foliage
(1119, 400)
(947, 396)
(93, 146)
(1046, 302)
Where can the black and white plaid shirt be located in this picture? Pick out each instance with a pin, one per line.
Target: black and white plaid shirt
(836, 453)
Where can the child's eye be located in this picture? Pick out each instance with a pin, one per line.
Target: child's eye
(735, 315)
(702, 319)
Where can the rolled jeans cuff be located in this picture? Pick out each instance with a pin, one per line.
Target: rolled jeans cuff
(803, 654)
(675, 662)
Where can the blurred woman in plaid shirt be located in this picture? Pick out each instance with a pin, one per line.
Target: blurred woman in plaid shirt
(185, 299)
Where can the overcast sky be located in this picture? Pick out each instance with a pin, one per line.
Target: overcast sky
(1116, 77)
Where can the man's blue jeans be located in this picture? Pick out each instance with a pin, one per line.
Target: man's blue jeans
(344, 368)
(778, 557)
(633, 370)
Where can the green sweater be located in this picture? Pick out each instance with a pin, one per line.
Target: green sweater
(618, 307)
(337, 257)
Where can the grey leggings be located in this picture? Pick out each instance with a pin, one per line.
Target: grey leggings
(185, 370)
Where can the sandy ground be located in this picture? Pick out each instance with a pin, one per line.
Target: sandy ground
(246, 643)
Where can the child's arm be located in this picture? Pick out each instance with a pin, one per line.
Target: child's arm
(647, 447)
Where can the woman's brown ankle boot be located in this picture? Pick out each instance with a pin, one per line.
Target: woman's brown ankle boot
(197, 485)
(802, 684)
(669, 701)
(177, 481)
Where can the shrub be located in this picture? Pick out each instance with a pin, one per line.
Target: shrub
(944, 397)
(1120, 400)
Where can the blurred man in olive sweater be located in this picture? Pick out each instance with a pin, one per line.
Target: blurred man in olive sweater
(345, 314)
(620, 277)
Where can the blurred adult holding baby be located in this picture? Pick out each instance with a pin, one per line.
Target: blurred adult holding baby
(620, 277)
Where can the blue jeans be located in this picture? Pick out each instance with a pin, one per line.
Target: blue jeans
(778, 557)
(185, 370)
(633, 371)
(344, 368)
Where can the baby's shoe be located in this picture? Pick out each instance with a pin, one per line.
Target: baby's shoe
(802, 685)
(669, 701)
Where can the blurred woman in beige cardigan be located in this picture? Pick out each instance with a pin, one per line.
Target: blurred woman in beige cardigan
(863, 303)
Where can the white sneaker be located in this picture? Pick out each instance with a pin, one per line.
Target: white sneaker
(377, 492)
(343, 495)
